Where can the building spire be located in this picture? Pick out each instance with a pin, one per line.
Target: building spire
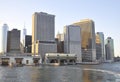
(24, 25)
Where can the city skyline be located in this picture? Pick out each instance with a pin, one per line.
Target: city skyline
(105, 16)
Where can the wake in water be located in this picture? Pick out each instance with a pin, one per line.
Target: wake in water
(104, 71)
(112, 76)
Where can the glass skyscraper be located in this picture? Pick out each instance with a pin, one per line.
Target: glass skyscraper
(88, 40)
(23, 36)
(100, 48)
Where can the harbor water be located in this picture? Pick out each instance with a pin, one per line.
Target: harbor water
(108, 72)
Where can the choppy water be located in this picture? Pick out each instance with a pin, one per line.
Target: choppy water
(79, 73)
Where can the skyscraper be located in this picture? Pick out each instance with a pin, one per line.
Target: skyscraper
(43, 25)
(60, 36)
(72, 41)
(13, 43)
(100, 47)
(3, 45)
(28, 43)
(60, 42)
(100, 54)
(109, 49)
(24, 33)
(88, 40)
(23, 36)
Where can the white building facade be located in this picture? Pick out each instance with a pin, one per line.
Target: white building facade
(72, 41)
(3, 36)
(23, 36)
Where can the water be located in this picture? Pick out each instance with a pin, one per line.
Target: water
(80, 73)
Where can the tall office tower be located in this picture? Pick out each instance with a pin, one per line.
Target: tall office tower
(100, 48)
(28, 43)
(23, 37)
(13, 43)
(3, 44)
(72, 41)
(109, 48)
(43, 25)
(88, 40)
(60, 42)
(24, 33)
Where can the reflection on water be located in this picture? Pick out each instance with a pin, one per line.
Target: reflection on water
(60, 74)
(94, 76)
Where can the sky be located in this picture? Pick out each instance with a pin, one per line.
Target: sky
(105, 14)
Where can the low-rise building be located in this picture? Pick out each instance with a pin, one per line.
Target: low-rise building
(20, 60)
(60, 58)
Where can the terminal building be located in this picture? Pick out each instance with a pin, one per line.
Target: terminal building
(20, 60)
(60, 59)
